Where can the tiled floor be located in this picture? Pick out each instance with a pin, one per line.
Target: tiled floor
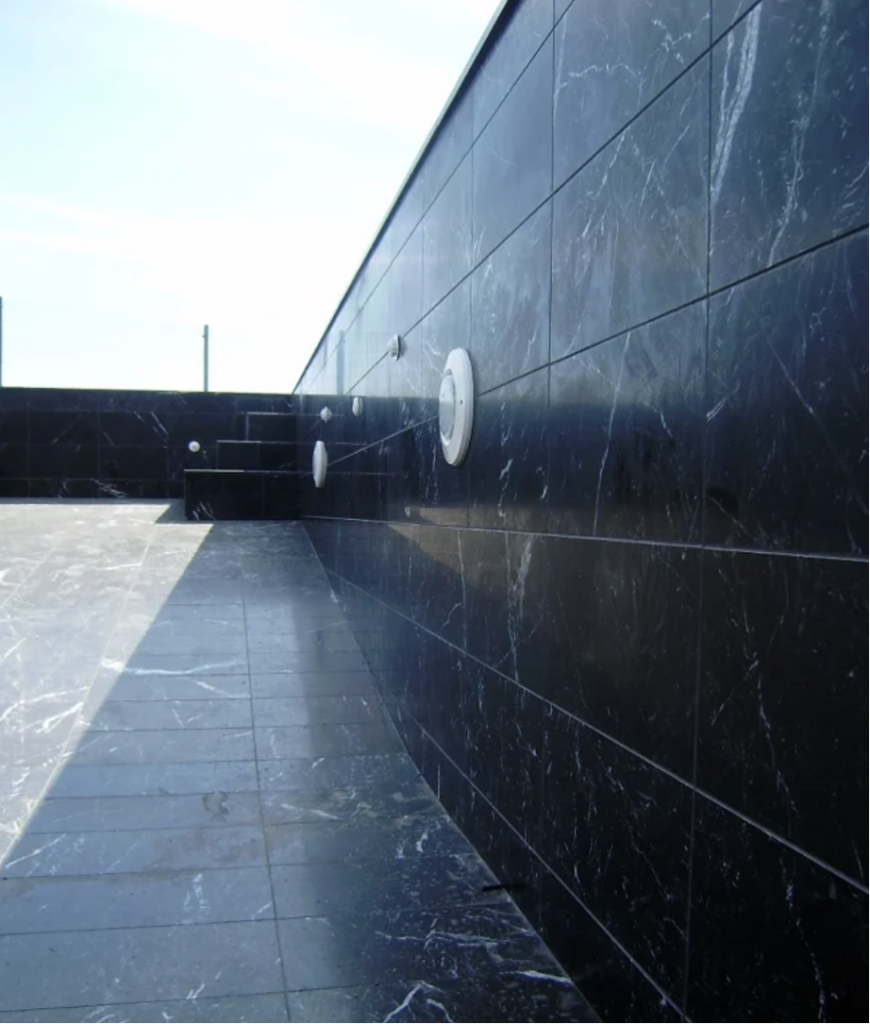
(204, 813)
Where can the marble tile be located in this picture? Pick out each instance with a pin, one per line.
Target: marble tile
(229, 1008)
(786, 409)
(200, 777)
(612, 58)
(512, 157)
(337, 710)
(366, 770)
(436, 583)
(364, 888)
(516, 868)
(507, 461)
(213, 615)
(165, 746)
(449, 147)
(510, 305)
(300, 643)
(13, 456)
(172, 714)
(327, 842)
(447, 242)
(13, 425)
(726, 12)
(446, 327)
(809, 929)
(789, 108)
(625, 429)
(440, 496)
(784, 643)
(521, 999)
(504, 726)
(134, 900)
(616, 831)
(66, 427)
(618, 647)
(276, 742)
(526, 29)
(440, 944)
(612, 982)
(128, 688)
(229, 642)
(311, 684)
(126, 813)
(390, 807)
(264, 662)
(163, 666)
(137, 964)
(408, 211)
(506, 614)
(629, 231)
(66, 461)
(166, 849)
(131, 428)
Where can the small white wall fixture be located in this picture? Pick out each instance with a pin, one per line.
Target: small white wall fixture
(194, 446)
(357, 406)
(456, 406)
(326, 414)
(394, 346)
(319, 463)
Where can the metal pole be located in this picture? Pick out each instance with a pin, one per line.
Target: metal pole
(205, 358)
(1, 341)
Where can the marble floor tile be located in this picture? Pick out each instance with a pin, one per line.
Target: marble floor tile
(163, 849)
(192, 749)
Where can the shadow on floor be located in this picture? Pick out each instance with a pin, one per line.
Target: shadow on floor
(208, 815)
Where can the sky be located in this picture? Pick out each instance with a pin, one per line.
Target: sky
(166, 164)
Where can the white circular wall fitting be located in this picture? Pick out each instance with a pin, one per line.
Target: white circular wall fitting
(326, 414)
(456, 406)
(395, 346)
(194, 446)
(319, 462)
(356, 406)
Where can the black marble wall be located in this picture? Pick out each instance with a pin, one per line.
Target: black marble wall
(115, 444)
(627, 640)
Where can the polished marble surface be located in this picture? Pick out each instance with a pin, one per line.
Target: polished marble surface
(613, 57)
(205, 811)
(789, 162)
(630, 229)
(625, 642)
(75, 443)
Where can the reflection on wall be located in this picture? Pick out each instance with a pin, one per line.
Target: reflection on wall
(626, 640)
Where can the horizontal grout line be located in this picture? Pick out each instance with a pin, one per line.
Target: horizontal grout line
(590, 538)
(170, 873)
(270, 919)
(147, 1002)
(770, 833)
(387, 437)
(274, 917)
(809, 251)
(153, 828)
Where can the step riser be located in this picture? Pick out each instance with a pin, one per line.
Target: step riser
(239, 495)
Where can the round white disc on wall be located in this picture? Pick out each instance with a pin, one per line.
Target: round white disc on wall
(456, 406)
(319, 462)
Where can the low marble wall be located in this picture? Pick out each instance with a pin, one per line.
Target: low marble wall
(71, 443)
